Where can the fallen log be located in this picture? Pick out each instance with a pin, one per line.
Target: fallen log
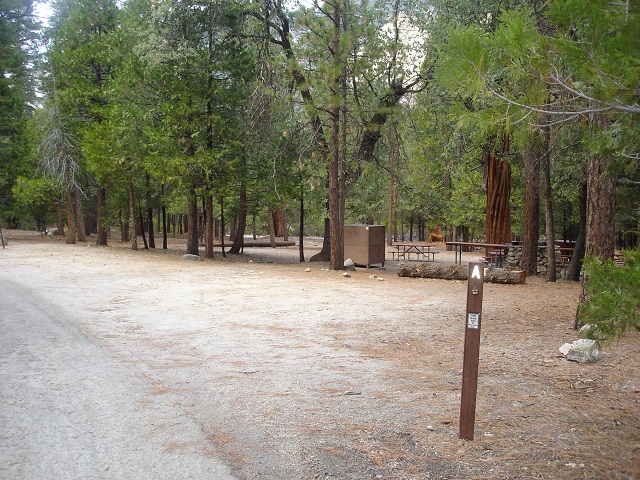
(458, 272)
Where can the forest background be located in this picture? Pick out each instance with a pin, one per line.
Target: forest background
(492, 120)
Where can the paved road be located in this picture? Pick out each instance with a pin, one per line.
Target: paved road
(70, 411)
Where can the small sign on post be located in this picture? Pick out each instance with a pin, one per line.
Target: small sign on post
(471, 350)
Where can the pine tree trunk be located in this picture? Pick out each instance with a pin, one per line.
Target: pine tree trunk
(192, 217)
(272, 230)
(238, 242)
(222, 227)
(71, 218)
(336, 259)
(152, 238)
(600, 204)
(80, 232)
(575, 265)
(600, 209)
(144, 237)
(101, 237)
(530, 221)
(60, 221)
(548, 208)
(164, 223)
(392, 164)
(132, 218)
(301, 230)
(208, 238)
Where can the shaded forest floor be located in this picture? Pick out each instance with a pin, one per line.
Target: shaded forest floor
(308, 374)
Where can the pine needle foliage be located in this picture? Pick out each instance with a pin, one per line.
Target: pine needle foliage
(612, 297)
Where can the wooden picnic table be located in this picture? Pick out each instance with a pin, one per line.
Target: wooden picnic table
(498, 251)
(421, 250)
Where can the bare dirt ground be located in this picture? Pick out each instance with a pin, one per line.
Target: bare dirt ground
(295, 374)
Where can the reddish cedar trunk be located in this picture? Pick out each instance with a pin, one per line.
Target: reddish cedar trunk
(498, 182)
(279, 223)
(530, 221)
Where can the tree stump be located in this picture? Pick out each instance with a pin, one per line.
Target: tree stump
(458, 272)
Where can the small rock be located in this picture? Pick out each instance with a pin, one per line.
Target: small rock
(307, 269)
(346, 275)
(431, 428)
(373, 277)
(349, 265)
(583, 351)
(380, 279)
(196, 258)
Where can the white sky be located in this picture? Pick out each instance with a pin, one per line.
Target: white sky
(43, 12)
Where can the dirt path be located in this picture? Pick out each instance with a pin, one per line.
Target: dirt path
(285, 374)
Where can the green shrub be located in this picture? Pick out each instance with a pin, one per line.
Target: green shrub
(612, 297)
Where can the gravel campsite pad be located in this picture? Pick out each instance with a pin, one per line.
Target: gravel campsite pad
(282, 373)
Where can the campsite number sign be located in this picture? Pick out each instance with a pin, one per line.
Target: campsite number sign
(471, 350)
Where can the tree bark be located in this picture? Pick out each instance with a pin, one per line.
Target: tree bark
(152, 238)
(238, 242)
(144, 237)
(71, 218)
(164, 222)
(208, 237)
(323, 255)
(575, 265)
(59, 219)
(272, 230)
(601, 193)
(222, 227)
(530, 221)
(192, 217)
(279, 222)
(392, 165)
(132, 218)
(548, 206)
(497, 172)
(101, 237)
(80, 233)
(457, 272)
(336, 258)
(301, 231)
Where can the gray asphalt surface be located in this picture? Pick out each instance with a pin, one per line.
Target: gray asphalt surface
(70, 411)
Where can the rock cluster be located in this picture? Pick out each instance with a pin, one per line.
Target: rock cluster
(512, 262)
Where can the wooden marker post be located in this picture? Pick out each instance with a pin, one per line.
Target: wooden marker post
(471, 350)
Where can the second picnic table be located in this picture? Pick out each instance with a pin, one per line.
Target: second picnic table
(493, 251)
(405, 249)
